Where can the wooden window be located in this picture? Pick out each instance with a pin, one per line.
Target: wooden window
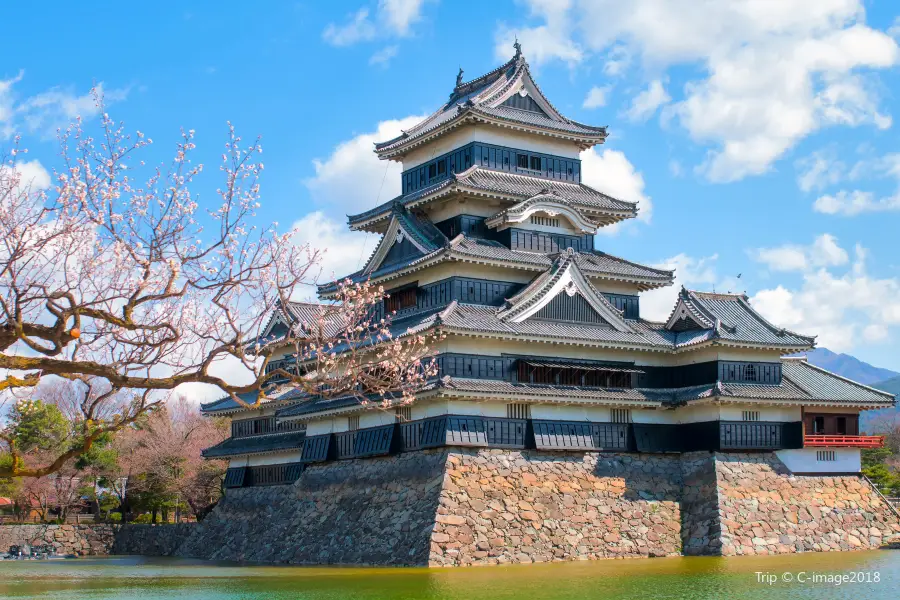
(432, 170)
(535, 163)
(353, 423)
(404, 413)
(441, 167)
(620, 415)
(819, 425)
(518, 411)
(825, 455)
(522, 161)
(841, 425)
(400, 299)
(750, 415)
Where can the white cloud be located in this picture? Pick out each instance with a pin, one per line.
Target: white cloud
(358, 28)
(32, 175)
(393, 18)
(611, 173)
(772, 72)
(550, 41)
(823, 252)
(843, 309)
(690, 272)
(383, 57)
(819, 170)
(597, 97)
(344, 251)
(854, 203)
(401, 14)
(46, 111)
(894, 29)
(850, 203)
(646, 103)
(352, 179)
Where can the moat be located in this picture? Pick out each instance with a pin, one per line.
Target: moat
(877, 575)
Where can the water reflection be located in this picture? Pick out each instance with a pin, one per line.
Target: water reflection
(676, 578)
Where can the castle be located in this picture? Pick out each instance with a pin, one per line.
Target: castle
(545, 358)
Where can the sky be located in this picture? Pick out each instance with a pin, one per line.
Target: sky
(758, 136)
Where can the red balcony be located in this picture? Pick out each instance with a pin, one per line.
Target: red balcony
(843, 441)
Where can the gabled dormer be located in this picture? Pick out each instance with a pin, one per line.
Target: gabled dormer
(407, 236)
(563, 293)
(689, 315)
(547, 209)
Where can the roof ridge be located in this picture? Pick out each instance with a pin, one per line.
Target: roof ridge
(777, 330)
(630, 262)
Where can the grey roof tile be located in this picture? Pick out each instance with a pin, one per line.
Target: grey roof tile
(502, 183)
(256, 445)
(480, 97)
(821, 384)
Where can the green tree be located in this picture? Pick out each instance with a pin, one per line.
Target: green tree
(37, 425)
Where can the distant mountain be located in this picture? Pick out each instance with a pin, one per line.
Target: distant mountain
(891, 386)
(850, 367)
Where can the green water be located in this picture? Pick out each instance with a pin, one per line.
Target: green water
(129, 578)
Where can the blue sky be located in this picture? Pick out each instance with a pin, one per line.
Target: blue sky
(760, 138)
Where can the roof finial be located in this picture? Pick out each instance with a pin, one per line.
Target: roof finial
(459, 77)
(518, 48)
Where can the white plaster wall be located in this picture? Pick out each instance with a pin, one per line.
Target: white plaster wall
(803, 460)
(327, 425)
(488, 134)
(376, 417)
(570, 413)
(255, 413)
(451, 269)
(265, 459)
(462, 204)
(734, 412)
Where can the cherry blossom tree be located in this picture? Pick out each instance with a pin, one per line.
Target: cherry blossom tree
(114, 280)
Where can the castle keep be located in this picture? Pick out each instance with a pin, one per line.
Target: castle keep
(561, 423)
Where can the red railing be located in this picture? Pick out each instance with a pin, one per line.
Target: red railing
(844, 441)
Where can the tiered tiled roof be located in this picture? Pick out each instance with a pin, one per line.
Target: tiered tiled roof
(482, 101)
(511, 187)
(818, 386)
(594, 264)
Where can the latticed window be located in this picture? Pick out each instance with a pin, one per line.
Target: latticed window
(518, 411)
(522, 161)
(404, 413)
(535, 163)
(620, 415)
(353, 423)
(825, 456)
(547, 221)
(400, 299)
(750, 415)
(750, 372)
(573, 375)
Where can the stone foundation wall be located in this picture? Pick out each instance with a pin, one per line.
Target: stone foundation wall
(151, 540)
(502, 506)
(80, 540)
(453, 507)
(766, 510)
(361, 512)
(701, 524)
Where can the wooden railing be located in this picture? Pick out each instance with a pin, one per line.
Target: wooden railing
(844, 441)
